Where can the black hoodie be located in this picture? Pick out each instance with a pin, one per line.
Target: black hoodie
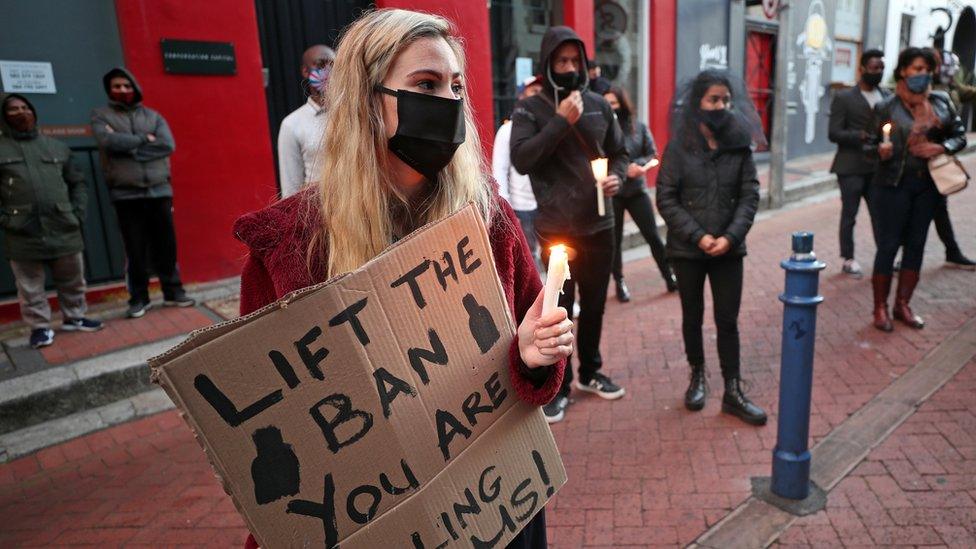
(557, 159)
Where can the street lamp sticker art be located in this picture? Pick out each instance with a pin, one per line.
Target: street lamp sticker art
(816, 47)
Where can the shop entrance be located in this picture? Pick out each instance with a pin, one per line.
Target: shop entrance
(760, 71)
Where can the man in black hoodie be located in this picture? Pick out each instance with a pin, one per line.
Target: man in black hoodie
(555, 135)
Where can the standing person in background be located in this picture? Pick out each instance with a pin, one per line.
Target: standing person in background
(633, 195)
(924, 125)
(851, 113)
(708, 194)
(555, 135)
(135, 143)
(513, 186)
(43, 201)
(943, 81)
(301, 131)
(598, 84)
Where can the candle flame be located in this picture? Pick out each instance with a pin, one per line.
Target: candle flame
(558, 248)
(886, 127)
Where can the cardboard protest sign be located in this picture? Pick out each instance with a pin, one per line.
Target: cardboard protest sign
(374, 410)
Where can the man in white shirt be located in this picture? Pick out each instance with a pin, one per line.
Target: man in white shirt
(301, 131)
(513, 186)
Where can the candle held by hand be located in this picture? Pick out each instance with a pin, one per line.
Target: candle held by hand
(886, 133)
(653, 162)
(599, 167)
(556, 275)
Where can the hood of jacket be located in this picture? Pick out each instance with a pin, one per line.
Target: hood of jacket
(555, 37)
(5, 128)
(122, 71)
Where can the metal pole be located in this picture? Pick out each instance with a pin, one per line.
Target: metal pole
(777, 148)
(791, 457)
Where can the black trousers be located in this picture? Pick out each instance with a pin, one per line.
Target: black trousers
(904, 215)
(590, 270)
(642, 212)
(852, 189)
(725, 278)
(533, 536)
(943, 226)
(150, 243)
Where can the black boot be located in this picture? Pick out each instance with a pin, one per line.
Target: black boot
(623, 294)
(697, 389)
(735, 402)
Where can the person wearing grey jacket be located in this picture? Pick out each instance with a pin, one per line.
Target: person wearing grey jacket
(135, 144)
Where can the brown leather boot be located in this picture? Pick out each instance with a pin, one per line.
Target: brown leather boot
(907, 280)
(882, 286)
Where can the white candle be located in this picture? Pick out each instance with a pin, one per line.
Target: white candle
(886, 133)
(651, 164)
(556, 276)
(599, 167)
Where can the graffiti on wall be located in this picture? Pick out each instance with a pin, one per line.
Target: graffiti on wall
(815, 46)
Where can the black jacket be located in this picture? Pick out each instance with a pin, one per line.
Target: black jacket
(850, 127)
(641, 149)
(700, 191)
(557, 159)
(951, 134)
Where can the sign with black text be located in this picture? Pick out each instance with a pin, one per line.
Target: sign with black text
(374, 410)
(196, 57)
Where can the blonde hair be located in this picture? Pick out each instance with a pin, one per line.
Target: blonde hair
(358, 200)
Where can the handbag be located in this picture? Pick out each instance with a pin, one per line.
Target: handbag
(948, 173)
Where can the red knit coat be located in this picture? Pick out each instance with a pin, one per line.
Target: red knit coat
(278, 237)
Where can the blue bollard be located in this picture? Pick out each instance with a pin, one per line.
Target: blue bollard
(791, 457)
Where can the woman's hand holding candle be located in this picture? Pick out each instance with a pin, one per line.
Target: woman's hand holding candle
(886, 133)
(545, 338)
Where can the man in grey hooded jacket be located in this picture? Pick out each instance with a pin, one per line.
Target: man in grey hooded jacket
(135, 144)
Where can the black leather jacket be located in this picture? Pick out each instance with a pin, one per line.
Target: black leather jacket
(951, 134)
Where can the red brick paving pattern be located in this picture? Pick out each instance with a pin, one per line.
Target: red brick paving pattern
(916, 488)
(642, 470)
(159, 323)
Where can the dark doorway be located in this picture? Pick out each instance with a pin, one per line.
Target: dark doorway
(760, 70)
(286, 29)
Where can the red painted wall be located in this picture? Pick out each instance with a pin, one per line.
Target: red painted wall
(662, 80)
(578, 14)
(222, 166)
(470, 19)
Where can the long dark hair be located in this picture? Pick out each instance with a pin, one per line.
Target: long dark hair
(686, 116)
(909, 55)
(628, 125)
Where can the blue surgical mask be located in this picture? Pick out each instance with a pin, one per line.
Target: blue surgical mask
(918, 83)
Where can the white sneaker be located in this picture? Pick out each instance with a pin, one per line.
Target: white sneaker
(852, 268)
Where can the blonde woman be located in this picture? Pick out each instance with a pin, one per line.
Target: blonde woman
(401, 150)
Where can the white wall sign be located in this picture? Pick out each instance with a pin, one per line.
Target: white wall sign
(27, 77)
(713, 57)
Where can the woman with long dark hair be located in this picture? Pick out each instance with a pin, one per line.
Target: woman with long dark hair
(924, 125)
(708, 193)
(633, 196)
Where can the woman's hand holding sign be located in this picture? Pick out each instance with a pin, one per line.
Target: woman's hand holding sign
(545, 339)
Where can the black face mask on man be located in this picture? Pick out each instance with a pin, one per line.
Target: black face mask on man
(569, 81)
(429, 130)
(872, 79)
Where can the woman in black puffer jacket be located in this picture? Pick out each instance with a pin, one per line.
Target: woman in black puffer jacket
(708, 193)
(633, 196)
(924, 125)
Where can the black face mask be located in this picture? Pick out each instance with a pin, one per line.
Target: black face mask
(569, 81)
(872, 79)
(716, 120)
(429, 130)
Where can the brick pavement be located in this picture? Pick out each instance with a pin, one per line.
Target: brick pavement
(159, 323)
(916, 488)
(642, 470)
